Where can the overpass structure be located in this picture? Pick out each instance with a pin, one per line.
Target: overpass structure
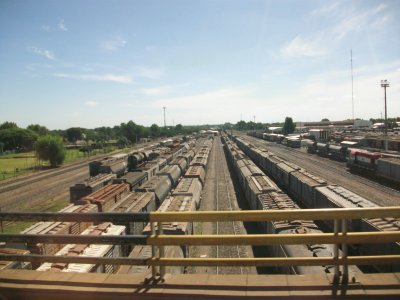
(30, 284)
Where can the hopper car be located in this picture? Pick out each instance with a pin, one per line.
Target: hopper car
(308, 190)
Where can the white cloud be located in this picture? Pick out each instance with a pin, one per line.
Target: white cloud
(94, 77)
(114, 44)
(355, 20)
(347, 19)
(150, 49)
(299, 47)
(325, 10)
(151, 73)
(91, 103)
(156, 91)
(45, 53)
(329, 95)
(62, 26)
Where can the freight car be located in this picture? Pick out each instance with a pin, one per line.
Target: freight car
(333, 196)
(136, 202)
(94, 250)
(196, 172)
(58, 228)
(263, 194)
(173, 172)
(338, 152)
(389, 168)
(174, 203)
(108, 164)
(160, 185)
(191, 187)
(6, 265)
(280, 201)
(323, 149)
(106, 197)
(89, 186)
(134, 179)
(309, 191)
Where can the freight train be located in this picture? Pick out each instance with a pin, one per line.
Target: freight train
(374, 163)
(382, 166)
(314, 192)
(105, 192)
(263, 194)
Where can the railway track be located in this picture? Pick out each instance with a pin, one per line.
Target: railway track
(224, 202)
(334, 172)
(15, 183)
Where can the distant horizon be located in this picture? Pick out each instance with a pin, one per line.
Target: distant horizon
(93, 63)
(191, 125)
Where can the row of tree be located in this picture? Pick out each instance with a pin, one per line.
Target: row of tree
(288, 126)
(13, 138)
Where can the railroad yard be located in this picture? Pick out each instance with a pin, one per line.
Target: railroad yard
(208, 174)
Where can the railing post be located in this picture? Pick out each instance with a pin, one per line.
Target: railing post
(345, 253)
(336, 250)
(161, 249)
(153, 252)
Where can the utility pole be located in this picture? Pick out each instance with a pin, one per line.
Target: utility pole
(385, 84)
(352, 89)
(165, 124)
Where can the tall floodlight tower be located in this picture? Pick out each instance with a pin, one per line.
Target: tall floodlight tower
(165, 124)
(385, 84)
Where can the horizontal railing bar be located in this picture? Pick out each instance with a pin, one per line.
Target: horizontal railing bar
(208, 216)
(75, 259)
(275, 261)
(74, 239)
(276, 239)
(276, 215)
(267, 261)
(249, 239)
(75, 217)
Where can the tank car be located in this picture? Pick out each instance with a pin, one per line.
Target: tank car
(160, 185)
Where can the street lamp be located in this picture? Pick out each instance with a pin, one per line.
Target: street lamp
(385, 84)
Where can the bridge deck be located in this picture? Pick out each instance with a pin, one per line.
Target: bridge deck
(22, 284)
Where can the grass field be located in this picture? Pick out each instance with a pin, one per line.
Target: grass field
(13, 165)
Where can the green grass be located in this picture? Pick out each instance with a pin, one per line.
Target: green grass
(17, 164)
(13, 165)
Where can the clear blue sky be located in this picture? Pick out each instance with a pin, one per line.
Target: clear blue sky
(100, 63)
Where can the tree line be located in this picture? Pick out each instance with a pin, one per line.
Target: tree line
(50, 144)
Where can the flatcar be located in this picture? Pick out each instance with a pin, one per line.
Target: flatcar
(93, 250)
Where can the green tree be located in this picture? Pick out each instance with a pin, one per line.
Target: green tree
(241, 125)
(40, 130)
(288, 126)
(8, 125)
(179, 128)
(154, 130)
(123, 142)
(74, 134)
(51, 148)
(17, 139)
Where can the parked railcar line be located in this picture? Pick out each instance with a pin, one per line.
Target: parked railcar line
(389, 194)
(225, 204)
